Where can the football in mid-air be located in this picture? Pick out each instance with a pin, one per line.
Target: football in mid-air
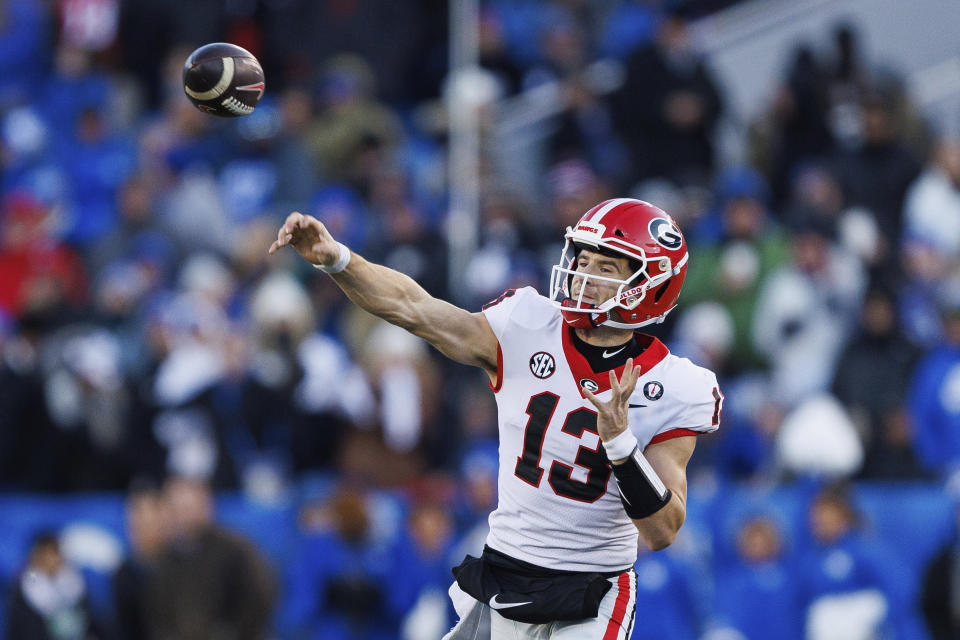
(223, 79)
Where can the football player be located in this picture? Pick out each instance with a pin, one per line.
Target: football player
(597, 421)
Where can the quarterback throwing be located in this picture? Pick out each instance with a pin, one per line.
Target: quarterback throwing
(597, 421)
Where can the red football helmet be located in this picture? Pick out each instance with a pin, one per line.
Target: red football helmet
(657, 251)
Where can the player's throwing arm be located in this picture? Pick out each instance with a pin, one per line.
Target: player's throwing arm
(460, 335)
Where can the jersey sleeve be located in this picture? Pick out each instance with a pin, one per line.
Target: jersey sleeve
(499, 310)
(700, 407)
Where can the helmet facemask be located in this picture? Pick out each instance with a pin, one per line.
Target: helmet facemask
(648, 275)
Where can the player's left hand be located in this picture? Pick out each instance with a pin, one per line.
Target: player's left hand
(612, 415)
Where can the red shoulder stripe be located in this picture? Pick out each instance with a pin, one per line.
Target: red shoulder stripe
(673, 433)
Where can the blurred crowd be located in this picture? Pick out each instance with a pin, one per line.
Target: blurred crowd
(147, 340)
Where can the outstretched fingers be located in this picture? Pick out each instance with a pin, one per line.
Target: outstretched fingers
(629, 380)
(623, 387)
(285, 234)
(617, 384)
(614, 383)
(592, 398)
(620, 388)
(283, 239)
(294, 221)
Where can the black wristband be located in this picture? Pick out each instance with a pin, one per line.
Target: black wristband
(642, 492)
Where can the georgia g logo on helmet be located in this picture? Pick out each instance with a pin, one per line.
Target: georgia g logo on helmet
(665, 233)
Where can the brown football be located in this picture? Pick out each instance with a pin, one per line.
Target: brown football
(223, 79)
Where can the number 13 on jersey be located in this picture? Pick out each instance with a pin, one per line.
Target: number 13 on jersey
(540, 409)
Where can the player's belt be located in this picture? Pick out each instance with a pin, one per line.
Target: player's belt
(500, 559)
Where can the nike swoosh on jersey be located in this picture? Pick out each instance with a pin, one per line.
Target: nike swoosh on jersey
(610, 355)
(505, 605)
(635, 406)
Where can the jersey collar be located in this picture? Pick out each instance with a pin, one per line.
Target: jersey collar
(653, 352)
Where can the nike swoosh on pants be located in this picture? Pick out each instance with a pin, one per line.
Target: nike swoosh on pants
(505, 605)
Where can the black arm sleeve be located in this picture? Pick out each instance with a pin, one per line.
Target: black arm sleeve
(642, 492)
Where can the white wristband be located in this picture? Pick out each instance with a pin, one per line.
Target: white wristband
(621, 446)
(342, 261)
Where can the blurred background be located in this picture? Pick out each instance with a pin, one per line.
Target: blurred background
(199, 441)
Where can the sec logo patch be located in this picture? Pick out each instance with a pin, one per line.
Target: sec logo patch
(542, 365)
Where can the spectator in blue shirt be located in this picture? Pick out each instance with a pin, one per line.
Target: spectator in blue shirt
(339, 584)
(933, 401)
(842, 582)
(24, 46)
(665, 603)
(757, 594)
(418, 590)
(74, 85)
(97, 164)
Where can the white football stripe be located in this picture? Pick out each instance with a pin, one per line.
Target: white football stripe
(225, 79)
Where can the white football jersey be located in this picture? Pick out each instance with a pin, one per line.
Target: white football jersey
(558, 502)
